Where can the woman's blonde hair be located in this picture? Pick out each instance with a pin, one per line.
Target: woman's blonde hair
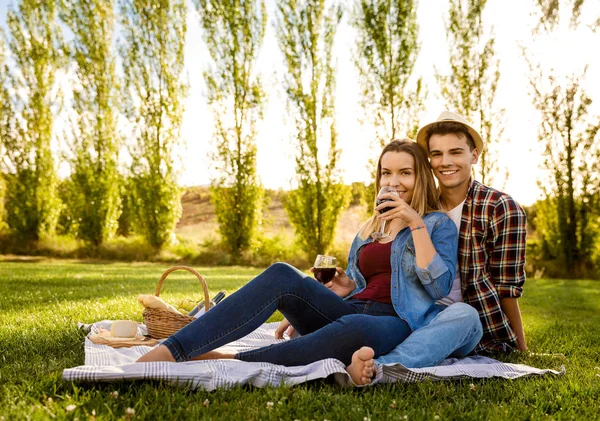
(425, 198)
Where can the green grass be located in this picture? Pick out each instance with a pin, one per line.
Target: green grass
(42, 301)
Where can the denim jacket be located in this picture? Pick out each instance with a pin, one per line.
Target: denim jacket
(414, 290)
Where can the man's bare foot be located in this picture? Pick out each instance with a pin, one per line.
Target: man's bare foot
(160, 353)
(362, 368)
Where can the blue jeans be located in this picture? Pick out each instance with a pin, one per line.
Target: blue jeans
(330, 327)
(454, 332)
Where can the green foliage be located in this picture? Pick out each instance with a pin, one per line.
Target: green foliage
(386, 50)
(127, 217)
(305, 31)
(470, 89)
(234, 32)
(153, 64)
(95, 142)
(68, 222)
(32, 207)
(157, 205)
(2, 195)
(7, 120)
(568, 218)
(42, 302)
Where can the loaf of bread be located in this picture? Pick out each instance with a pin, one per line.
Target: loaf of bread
(152, 301)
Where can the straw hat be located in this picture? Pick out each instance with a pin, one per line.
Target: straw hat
(450, 116)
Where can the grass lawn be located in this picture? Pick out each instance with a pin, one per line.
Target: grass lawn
(42, 301)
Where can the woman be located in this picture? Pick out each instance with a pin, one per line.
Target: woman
(388, 291)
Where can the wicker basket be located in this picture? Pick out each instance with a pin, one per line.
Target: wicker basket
(163, 323)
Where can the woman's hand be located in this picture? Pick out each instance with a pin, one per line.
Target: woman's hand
(284, 327)
(340, 285)
(400, 209)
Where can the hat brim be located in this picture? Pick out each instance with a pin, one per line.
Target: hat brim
(422, 135)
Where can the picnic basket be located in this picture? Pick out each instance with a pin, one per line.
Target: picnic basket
(163, 323)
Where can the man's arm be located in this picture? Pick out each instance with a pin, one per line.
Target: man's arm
(510, 307)
(507, 262)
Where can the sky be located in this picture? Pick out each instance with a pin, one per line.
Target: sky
(511, 21)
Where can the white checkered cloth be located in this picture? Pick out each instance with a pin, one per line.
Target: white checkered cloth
(106, 364)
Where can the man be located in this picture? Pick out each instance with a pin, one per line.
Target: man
(491, 248)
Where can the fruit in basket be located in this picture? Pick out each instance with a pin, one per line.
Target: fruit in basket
(152, 301)
(185, 305)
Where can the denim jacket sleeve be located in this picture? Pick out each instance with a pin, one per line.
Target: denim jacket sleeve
(439, 274)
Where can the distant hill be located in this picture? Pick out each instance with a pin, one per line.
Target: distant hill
(198, 220)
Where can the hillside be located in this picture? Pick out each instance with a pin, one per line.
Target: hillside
(199, 222)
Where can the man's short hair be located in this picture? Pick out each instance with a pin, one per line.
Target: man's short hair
(449, 127)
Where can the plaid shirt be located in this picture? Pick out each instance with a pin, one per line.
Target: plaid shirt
(491, 251)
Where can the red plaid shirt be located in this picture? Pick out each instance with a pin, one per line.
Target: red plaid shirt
(491, 249)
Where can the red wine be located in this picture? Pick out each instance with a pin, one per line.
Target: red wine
(380, 201)
(324, 275)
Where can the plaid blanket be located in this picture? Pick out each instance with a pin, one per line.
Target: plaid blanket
(106, 364)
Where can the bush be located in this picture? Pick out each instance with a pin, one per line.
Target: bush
(540, 264)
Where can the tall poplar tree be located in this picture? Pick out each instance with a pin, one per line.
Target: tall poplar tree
(153, 64)
(7, 121)
(386, 50)
(95, 178)
(470, 88)
(568, 217)
(32, 205)
(234, 32)
(305, 32)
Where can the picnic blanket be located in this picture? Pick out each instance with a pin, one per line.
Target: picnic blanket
(106, 364)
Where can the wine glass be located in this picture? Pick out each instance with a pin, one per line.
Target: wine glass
(385, 189)
(324, 268)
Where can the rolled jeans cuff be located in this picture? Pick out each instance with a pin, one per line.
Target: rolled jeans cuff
(175, 348)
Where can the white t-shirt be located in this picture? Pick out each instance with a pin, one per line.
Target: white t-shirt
(455, 295)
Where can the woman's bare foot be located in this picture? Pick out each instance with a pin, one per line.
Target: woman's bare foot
(160, 353)
(362, 368)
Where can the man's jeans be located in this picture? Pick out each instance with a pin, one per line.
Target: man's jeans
(455, 332)
(330, 327)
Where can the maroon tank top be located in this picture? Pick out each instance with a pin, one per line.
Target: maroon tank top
(374, 264)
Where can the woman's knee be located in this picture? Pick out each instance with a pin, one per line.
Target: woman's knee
(281, 272)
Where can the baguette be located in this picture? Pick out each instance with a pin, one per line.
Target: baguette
(152, 301)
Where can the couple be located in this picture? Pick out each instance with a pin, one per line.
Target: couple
(402, 298)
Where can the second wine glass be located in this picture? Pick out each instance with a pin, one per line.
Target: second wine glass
(385, 189)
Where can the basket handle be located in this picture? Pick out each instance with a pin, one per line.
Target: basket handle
(191, 270)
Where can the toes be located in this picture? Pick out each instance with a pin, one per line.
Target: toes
(366, 353)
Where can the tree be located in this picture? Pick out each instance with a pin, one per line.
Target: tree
(153, 63)
(567, 221)
(549, 13)
(568, 216)
(471, 86)
(386, 50)
(95, 141)
(305, 33)
(7, 121)
(32, 206)
(234, 32)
